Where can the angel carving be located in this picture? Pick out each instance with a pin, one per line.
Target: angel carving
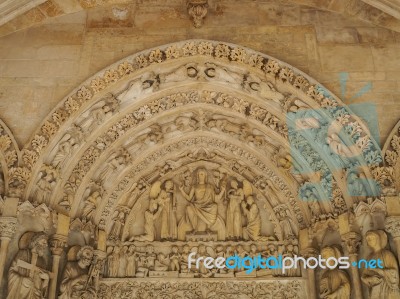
(99, 113)
(164, 196)
(67, 146)
(45, 184)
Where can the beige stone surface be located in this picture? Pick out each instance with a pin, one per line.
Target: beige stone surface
(63, 51)
(118, 167)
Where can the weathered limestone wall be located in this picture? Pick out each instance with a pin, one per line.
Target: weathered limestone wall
(42, 64)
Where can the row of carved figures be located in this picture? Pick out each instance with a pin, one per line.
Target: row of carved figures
(29, 274)
(239, 219)
(131, 261)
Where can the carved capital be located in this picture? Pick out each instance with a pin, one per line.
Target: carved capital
(392, 226)
(352, 242)
(197, 10)
(57, 244)
(8, 227)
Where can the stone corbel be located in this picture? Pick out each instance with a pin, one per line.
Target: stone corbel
(197, 10)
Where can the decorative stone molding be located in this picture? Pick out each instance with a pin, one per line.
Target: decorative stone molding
(9, 152)
(197, 10)
(391, 7)
(202, 289)
(8, 227)
(391, 152)
(392, 226)
(266, 90)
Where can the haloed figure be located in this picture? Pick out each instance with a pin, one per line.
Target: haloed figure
(202, 211)
(382, 283)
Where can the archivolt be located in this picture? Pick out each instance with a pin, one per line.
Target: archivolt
(204, 86)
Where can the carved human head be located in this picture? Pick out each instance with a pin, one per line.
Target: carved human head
(175, 249)
(169, 185)
(153, 206)
(220, 248)
(201, 176)
(331, 252)
(376, 239)
(132, 248)
(202, 248)
(38, 244)
(149, 249)
(85, 256)
(250, 200)
(253, 248)
(186, 249)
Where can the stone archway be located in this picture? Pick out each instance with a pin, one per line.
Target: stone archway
(184, 148)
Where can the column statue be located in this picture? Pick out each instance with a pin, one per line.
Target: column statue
(382, 283)
(335, 283)
(28, 277)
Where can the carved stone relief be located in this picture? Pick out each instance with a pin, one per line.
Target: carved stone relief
(149, 175)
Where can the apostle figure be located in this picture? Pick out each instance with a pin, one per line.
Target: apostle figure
(253, 228)
(202, 211)
(74, 283)
(234, 213)
(382, 282)
(118, 225)
(149, 217)
(89, 209)
(335, 283)
(289, 229)
(168, 214)
(131, 261)
(28, 277)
